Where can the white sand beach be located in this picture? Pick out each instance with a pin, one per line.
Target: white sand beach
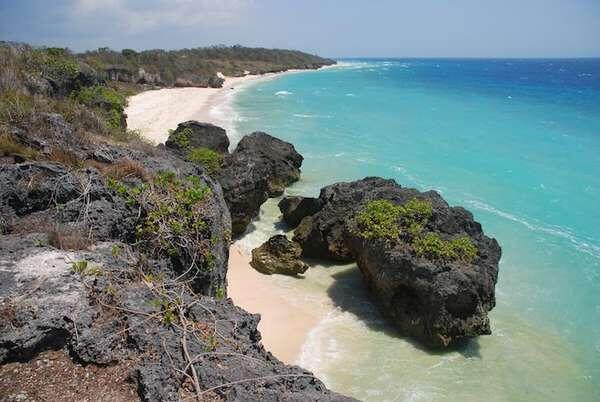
(283, 326)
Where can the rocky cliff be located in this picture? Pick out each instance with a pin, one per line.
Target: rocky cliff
(114, 253)
(120, 260)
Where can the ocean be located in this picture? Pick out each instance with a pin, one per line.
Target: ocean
(517, 142)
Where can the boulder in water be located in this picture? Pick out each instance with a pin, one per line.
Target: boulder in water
(278, 255)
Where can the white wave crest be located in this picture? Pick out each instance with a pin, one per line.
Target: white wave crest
(581, 244)
(283, 93)
(312, 116)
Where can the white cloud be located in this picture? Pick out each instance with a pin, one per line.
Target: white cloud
(139, 15)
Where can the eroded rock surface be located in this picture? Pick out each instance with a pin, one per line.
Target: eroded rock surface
(260, 167)
(435, 300)
(193, 134)
(294, 209)
(145, 293)
(278, 255)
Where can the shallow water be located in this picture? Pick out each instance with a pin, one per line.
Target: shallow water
(518, 143)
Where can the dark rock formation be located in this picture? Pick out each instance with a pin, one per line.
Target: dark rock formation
(129, 301)
(278, 255)
(294, 209)
(193, 134)
(48, 305)
(434, 301)
(260, 167)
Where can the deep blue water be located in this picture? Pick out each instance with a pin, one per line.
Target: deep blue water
(515, 141)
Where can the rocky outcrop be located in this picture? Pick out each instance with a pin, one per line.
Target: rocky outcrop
(260, 167)
(193, 134)
(83, 301)
(278, 255)
(294, 209)
(425, 289)
(129, 296)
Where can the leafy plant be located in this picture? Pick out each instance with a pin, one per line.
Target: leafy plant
(211, 160)
(379, 219)
(434, 247)
(385, 220)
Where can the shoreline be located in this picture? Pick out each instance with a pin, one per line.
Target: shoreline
(284, 326)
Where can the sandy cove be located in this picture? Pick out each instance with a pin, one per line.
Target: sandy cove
(284, 326)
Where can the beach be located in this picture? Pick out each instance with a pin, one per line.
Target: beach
(284, 326)
(155, 112)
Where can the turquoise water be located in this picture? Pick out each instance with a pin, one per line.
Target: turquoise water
(515, 141)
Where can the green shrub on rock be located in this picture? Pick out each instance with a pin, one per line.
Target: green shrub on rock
(434, 247)
(208, 158)
(383, 219)
(379, 219)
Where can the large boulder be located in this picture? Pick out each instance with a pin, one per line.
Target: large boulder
(433, 277)
(278, 255)
(193, 134)
(294, 209)
(260, 167)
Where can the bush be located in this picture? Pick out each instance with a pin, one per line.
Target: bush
(211, 160)
(110, 101)
(379, 219)
(434, 247)
(382, 219)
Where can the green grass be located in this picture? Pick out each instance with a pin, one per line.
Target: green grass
(211, 160)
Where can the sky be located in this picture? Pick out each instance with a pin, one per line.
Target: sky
(342, 28)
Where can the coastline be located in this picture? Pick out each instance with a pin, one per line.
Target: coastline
(284, 326)
(156, 111)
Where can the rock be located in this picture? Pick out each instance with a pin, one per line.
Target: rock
(193, 134)
(126, 301)
(278, 159)
(40, 298)
(260, 167)
(278, 255)
(48, 305)
(294, 209)
(435, 301)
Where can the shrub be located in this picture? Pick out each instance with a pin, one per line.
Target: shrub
(434, 247)
(383, 219)
(379, 219)
(110, 101)
(65, 157)
(211, 160)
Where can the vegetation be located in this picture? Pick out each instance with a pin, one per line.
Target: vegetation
(9, 147)
(208, 158)
(200, 65)
(108, 101)
(434, 247)
(383, 219)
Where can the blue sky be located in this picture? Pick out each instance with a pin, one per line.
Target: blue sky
(395, 28)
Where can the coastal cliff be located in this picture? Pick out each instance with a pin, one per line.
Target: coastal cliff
(113, 252)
